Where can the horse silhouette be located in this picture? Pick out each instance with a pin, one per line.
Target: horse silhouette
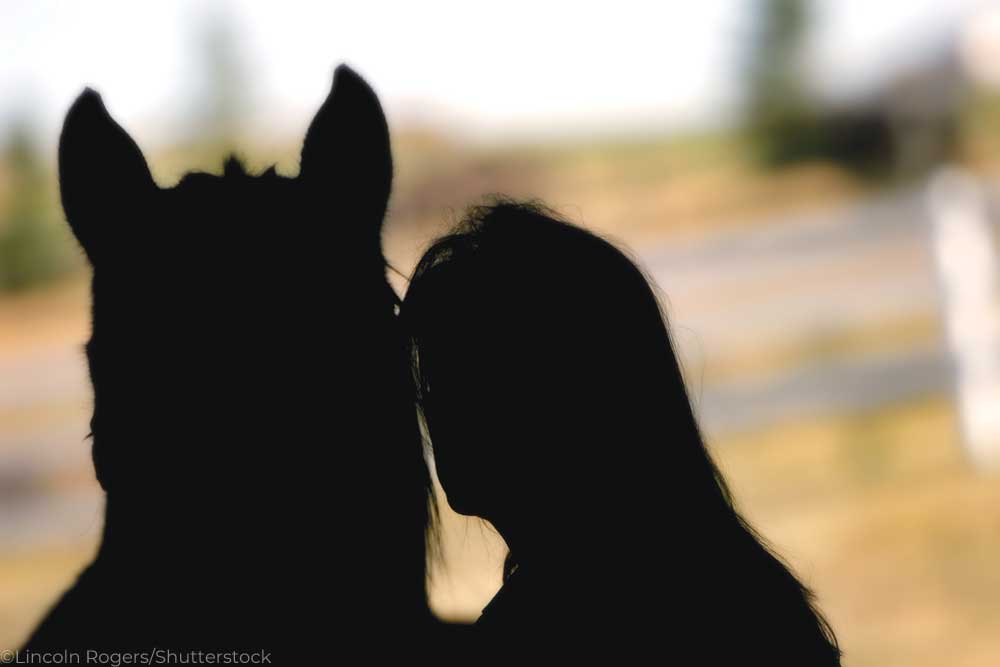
(253, 423)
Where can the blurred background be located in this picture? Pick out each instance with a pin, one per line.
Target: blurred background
(814, 185)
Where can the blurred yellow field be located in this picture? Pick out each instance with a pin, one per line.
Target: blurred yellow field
(879, 513)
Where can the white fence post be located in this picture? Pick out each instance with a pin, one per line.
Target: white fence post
(965, 251)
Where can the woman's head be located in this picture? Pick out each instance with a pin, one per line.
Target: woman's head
(556, 409)
(547, 378)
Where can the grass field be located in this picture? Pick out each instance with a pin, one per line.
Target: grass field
(877, 512)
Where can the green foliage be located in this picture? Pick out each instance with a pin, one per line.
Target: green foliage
(784, 124)
(34, 246)
(779, 116)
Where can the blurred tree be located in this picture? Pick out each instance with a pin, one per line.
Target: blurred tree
(785, 124)
(778, 110)
(224, 98)
(34, 247)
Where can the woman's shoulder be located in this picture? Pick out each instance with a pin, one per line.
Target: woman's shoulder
(506, 606)
(526, 600)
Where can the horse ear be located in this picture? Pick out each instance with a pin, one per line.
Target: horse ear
(346, 155)
(103, 175)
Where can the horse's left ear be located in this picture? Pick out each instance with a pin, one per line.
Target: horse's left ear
(346, 152)
(104, 180)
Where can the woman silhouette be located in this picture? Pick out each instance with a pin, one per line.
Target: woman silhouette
(556, 410)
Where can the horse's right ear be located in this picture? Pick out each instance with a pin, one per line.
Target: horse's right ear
(346, 153)
(103, 177)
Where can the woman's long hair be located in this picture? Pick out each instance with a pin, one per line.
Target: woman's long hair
(575, 345)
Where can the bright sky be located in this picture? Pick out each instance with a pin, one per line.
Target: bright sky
(490, 68)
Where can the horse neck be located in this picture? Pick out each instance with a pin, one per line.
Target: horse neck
(180, 535)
